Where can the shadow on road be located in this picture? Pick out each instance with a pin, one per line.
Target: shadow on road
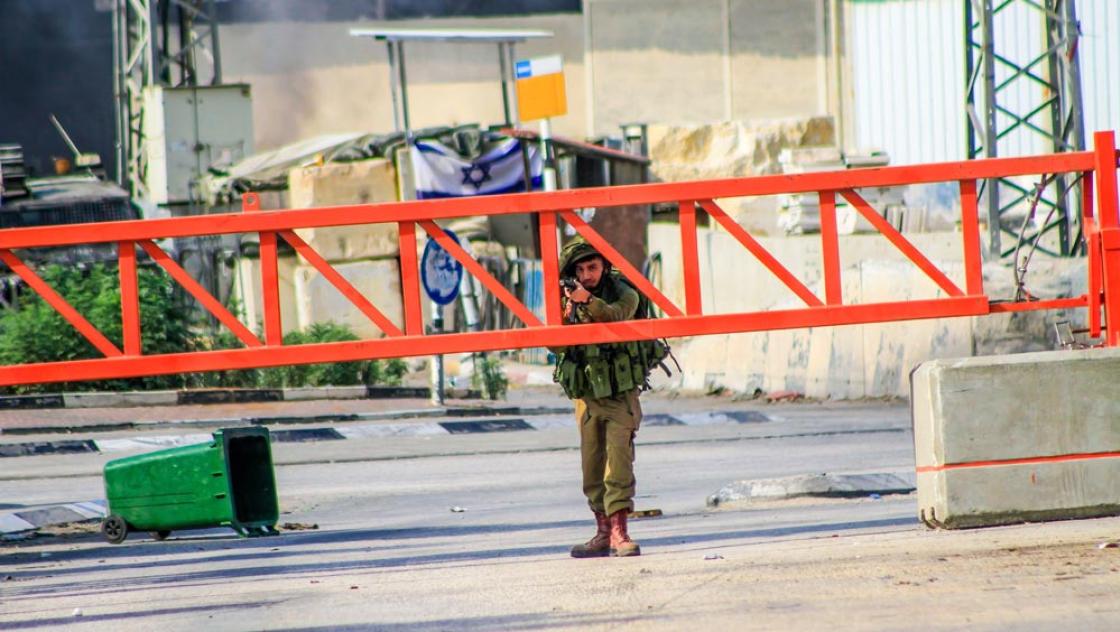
(58, 622)
(303, 555)
(534, 621)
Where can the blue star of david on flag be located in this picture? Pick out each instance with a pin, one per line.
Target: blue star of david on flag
(475, 175)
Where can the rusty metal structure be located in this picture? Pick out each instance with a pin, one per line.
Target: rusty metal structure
(1099, 214)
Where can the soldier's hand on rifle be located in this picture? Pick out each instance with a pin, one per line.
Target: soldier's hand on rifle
(577, 294)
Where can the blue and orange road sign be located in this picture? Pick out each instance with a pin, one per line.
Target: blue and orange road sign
(540, 88)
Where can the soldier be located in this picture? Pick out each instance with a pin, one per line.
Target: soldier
(604, 381)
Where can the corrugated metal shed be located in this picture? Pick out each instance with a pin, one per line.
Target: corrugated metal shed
(908, 75)
(1100, 64)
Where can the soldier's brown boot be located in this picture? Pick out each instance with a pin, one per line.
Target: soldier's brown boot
(621, 544)
(600, 544)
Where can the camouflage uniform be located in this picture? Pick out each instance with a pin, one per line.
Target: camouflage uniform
(603, 380)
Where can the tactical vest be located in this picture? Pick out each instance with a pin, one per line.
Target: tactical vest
(609, 369)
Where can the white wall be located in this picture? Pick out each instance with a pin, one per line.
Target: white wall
(1100, 64)
(852, 361)
(674, 61)
(311, 79)
(700, 61)
(907, 81)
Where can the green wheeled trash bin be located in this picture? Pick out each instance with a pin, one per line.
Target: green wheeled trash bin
(228, 482)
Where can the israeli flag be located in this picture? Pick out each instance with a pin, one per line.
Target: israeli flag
(440, 172)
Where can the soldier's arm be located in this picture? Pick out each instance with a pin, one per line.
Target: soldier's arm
(597, 310)
(624, 308)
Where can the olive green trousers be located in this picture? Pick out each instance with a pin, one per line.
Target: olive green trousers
(606, 430)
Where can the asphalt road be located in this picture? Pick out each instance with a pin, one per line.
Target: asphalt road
(472, 532)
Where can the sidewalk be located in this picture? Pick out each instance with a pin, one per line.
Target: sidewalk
(523, 400)
(150, 417)
(437, 421)
(94, 412)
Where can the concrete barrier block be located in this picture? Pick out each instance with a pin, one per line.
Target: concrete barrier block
(318, 301)
(798, 355)
(248, 294)
(334, 184)
(338, 183)
(777, 362)
(348, 243)
(708, 353)
(1026, 437)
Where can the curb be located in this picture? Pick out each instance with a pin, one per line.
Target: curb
(231, 422)
(33, 518)
(538, 419)
(128, 399)
(817, 485)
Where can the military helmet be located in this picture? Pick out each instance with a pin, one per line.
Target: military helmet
(575, 251)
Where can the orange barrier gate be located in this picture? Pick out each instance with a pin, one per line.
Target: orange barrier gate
(1101, 229)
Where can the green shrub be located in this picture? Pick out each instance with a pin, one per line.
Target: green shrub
(35, 332)
(234, 378)
(326, 374)
(489, 377)
(390, 372)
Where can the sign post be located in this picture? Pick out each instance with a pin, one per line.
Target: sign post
(440, 274)
(541, 95)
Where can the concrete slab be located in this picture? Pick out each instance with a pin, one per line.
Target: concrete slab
(820, 485)
(10, 523)
(1026, 437)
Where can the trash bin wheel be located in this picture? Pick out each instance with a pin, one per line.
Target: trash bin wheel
(159, 535)
(115, 529)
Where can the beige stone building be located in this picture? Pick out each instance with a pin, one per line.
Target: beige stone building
(658, 61)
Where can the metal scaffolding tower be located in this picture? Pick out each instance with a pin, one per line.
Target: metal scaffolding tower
(157, 42)
(993, 115)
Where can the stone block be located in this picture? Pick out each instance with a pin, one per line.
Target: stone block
(1016, 438)
(340, 183)
(318, 301)
(343, 183)
(731, 148)
(247, 293)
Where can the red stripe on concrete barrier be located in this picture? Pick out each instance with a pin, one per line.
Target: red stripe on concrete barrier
(1023, 461)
